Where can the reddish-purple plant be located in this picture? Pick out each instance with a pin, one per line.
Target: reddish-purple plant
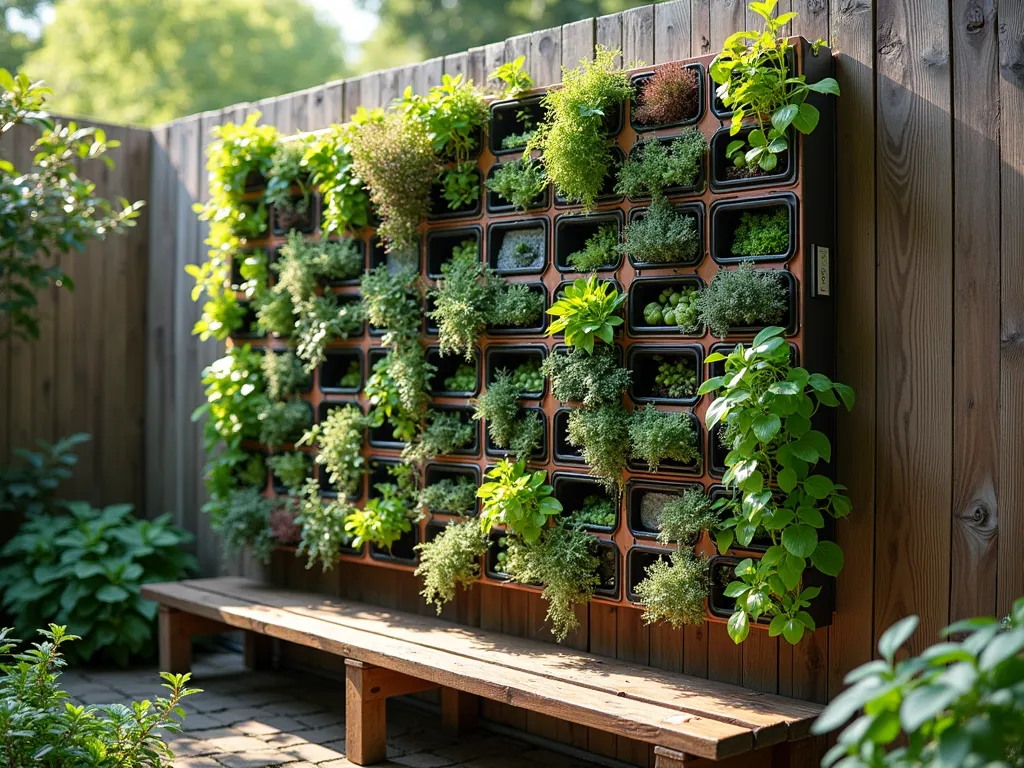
(282, 525)
(668, 96)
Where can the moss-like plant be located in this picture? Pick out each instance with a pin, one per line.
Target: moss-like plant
(596, 510)
(742, 296)
(291, 469)
(346, 203)
(762, 234)
(603, 435)
(685, 517)
(320, 321)
(592, 380)
(275, 313)
(670, 95)
(675, 378)
(509, 427)
(284, 422)
(572, 140)
(519, 499)
(586, 312)
(676, 305)
(395, 156)
(283, 374)
(338, 260)
(393, 302)
(463, 380)
(664, 235)
(600, 250)
(515, 306)
(451, 559)
(244, 523)
(654, 166)
(520, 182)
(659, 435)
(675, 591)
(339, 439)
(323, 527)
(445, 432)
(450, 496)
(563, 560)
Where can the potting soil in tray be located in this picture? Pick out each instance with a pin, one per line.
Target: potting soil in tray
(534, 238)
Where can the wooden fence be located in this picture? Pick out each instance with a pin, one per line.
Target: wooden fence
(930, 279)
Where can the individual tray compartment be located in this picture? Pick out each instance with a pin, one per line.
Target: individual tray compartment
(638, 559)
(537, 328)
(439, 210)
(510, 357)
(572, 232)
(361, 247)
(716, 452)
(328, 491)
(538, 456)
(279, 487)
(326, 405)
(760, 542)
(671, 466)
(240, 256)
(384, 435)
(286, 220)
(573, 489)
(722, 570)
(492, 562)
(345, 299)
(790, 318)
(402, 551)
(339, 365)
(724, 180)
(248, 328)
(498, 204)
(647, 290)
(564, 451)
(717, 368)
(607, 193)
(379, 256)
(726, 216)
(438, 471)
(644, 501)
(694, 210)
(466, 417)
(569, 280)
(440, 243)
(678, 190)
(447, 367)
(504, 237)
(645, 362)
(511, 117)
(608, 569)
(639, 83)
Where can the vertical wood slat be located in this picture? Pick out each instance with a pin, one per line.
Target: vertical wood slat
(851, 637)
(577, 42)
(912, 536)
(976, 252)
(546, 55)
(427, 74)
(456, 64)
(633, 644)
(672, 31)
(700, 27)
(1011, 361)
(603, 642)
(727, 16)
(494, 57)
(352, 98)
(638, 35)
(608, 30)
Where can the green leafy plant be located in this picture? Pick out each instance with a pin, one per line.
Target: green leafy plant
(47, 209)
(244, 524)
(283, 375)
(587, 311)
(320, 321)
(516, 79)
(520, 500)
(654, 166)
(385, 391)
(337, 260)
(676, 305)
(394, 156)
(346, 203)
(284, 422)
(524, 254)
(393, 302)
(572, 141)
(460, 185)
(596, 510)
(601, 250)
(766, 406)
(287, 170)
(508, 426)
(388, 515)
(352, 377)
(451, 559)
(563, 560)
(41, 728)
(84, 567)
(663, 235)
(959, 703)
(675, 378)
(684, 518)
(670, 95)
(323, 527)
(452, 113)
(602, 434)
(445, 432)
(291, 469)
(754, 81)
(741, 296)
(659, 435)
(463, 380)
(30, 487)
(762, 234)
(675, 591)
(520, 182)
(528, 378)
(339, 439)
(450, 496)
(592, 380)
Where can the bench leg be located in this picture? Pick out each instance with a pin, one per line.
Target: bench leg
(460, 711)
(258, 651)
(175, 641)
(365, 717)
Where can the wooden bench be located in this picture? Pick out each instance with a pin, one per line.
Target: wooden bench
(387, 653)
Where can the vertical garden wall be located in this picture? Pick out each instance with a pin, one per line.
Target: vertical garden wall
(929, 300)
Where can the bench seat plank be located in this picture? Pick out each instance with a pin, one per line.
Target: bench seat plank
(772, 719)
(637, 720)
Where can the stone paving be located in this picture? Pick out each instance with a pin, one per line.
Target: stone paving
(276, 718)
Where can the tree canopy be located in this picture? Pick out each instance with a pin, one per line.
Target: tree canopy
(126, 61)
